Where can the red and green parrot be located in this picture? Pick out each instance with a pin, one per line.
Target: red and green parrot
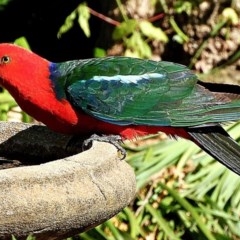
(123, 96)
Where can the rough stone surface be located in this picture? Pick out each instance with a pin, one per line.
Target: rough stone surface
(64, 197)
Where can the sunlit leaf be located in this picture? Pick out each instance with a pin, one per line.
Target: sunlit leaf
(13, 238)
(183, 6)
(68, 24)
(99, 52)
(22, 41)
(83, 14)
(152, 32)
(137, 43)
(178, 39)
(132, 53)
(3, 3)
(230, 15)
(83, 18)
(124, 29)
(162, 223)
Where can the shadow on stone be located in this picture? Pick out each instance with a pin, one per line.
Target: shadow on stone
(32, 144)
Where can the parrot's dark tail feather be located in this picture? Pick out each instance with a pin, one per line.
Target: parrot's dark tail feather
(217, 143)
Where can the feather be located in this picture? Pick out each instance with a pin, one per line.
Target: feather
(216, 142)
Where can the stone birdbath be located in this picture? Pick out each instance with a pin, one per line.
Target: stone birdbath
(50, 190)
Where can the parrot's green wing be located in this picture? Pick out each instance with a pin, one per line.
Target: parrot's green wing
(128, 91)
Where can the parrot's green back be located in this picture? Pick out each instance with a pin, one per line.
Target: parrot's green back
(126, 91)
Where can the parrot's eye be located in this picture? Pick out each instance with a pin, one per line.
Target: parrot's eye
(5, 59)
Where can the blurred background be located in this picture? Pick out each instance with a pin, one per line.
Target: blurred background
(182, 192)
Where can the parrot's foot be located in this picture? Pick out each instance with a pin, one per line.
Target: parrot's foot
(115, 140)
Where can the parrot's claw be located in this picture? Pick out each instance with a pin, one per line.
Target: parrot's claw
(115, 140)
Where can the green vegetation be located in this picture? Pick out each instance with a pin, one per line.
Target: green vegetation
(142, 36)
(3, 3)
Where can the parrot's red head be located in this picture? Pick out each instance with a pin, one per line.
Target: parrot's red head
(27, 77)
(18, 65)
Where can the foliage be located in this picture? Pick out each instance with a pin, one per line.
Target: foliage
(22, 41)
(3, 3)
(142, 37)
(136, 35)
(6, 104)
(82, 12)
(30, 237)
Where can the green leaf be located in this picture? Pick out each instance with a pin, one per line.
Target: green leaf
(132, 53)
(114, 230)
(230, 15)
(68, 24)
(124, 29)
(137, 43)
(83, 18)
(178, 39)
(152, 32)
(194, 214)
(133, 225)
(183, 6)
(178, 30)
(30, 237)
(99, 52)
(6, 103)
(22, 41)
(162, 223)
(3, 3)
(93, 234)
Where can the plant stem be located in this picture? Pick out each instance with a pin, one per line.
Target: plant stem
(103, 17)
(122, 11)
(213, 33)
(164, 5)
(178, 30)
